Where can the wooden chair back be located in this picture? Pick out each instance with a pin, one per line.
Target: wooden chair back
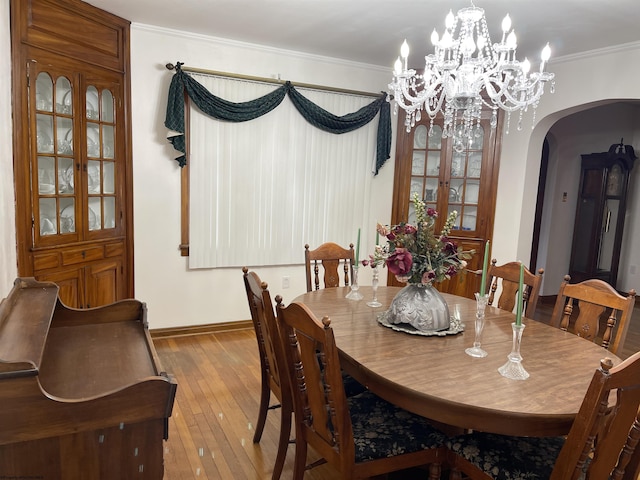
(508, 277)
(606, 437)
(335, 261)
(320, 403)
(593, 298)
(324, 416)
(274, 376)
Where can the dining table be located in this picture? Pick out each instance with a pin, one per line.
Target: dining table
(432, 376)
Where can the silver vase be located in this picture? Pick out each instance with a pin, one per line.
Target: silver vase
(420, 306)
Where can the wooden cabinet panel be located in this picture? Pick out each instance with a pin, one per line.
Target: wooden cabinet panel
(104, 284)
(71, 286)
(72, 148)
(64, 26)
(449, 176)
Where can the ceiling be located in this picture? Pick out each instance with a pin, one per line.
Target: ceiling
(371, 31)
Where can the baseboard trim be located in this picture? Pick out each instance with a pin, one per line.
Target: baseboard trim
(201, 329)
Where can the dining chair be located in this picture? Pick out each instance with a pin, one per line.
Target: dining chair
(585, 304)
(361, 436)
(602, 442)
(333, 258)
(273, 379)
(507, 276)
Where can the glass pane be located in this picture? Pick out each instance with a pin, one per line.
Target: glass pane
(109, 212)
(469, 218)
(66, 176)
(412, 214)
(417, 164)
(46, 175)
(44, 92)
(583, 228)
(107, 141)
(609, 226)
(107, 106)
(435, 138)
(478, 138)
(471, 192)
(93, 140)
(67, 215)
(614, 181)
(64, 135)
(431, 190)
(451, 208)
(93, 176)
(433, 163)
(92, 103)
(416, 186)
(64, 96)
(44, 133)
(475, 165)
(48, 223)
(458, 164)
(94, 221)
(108, 169)
(420, 137)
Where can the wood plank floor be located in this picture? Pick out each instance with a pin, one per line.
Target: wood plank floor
(211, 429)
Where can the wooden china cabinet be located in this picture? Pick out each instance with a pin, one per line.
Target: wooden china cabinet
(449, 176)
(72, 149)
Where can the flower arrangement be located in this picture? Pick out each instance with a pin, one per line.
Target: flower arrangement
(415, 254)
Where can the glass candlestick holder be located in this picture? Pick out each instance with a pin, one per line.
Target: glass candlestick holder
(354, 294)
(481, 306)
(374, 286)
(513, 368)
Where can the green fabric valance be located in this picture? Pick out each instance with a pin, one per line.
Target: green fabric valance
(241, 112)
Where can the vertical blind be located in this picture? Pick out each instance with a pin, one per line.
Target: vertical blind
(260, 190)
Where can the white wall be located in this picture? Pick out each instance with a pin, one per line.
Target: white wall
(581, 81)
(174, 294)
(178, 297)
(590, 131)
(8, 266)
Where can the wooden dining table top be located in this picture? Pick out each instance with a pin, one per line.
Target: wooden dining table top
(433, 376)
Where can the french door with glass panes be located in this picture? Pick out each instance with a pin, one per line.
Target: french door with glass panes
(449, 175)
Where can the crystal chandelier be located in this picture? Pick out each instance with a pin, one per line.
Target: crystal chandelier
(465, 73)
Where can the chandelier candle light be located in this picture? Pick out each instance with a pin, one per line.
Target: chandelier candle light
(466, 72)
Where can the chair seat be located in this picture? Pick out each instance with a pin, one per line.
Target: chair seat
(351, 385)
(509, 458)
(381, 429)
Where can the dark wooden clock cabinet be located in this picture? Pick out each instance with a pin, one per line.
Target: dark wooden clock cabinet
(600, 214)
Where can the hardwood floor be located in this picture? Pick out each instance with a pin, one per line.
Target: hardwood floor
(211, 429)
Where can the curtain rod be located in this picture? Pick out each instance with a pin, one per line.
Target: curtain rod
(171, 66)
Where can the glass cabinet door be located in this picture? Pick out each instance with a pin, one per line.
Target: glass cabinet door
(76, 159)
(56, 161)
(101, 164)
(449, 178)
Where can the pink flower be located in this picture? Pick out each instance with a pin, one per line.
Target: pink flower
(432, 212)
(410, 229)
(427, 277)
(400, 262)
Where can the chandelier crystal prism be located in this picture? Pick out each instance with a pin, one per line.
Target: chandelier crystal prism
(465, 73)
